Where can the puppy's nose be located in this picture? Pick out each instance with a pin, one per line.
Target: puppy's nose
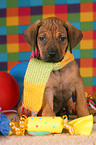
(52, 53)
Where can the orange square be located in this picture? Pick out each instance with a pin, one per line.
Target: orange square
(12, 12)
(94, 16)
(87, 35)
(50, 9)
(88, 89)
(24, 47)
(86, 7)
(62, 16)
(24, 20)
(94, 43)
(94, 71)
(86, 62)
(11, 64)
(12, 39)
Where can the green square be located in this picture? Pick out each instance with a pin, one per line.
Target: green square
(12, 3)
(3, 48)
(77, 46)
(12, 30)
(48, 2)
(12, 56)
(74, 17)
(87, 81)
(2, 21)
(86, 53)
(86, 1)
(86, 26)
(35, 18)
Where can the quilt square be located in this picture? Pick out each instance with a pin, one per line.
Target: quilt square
(12, 3)
(50, 9)
(2, 12)
(11, 12)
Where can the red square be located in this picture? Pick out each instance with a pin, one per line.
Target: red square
(25, 11)
(94, 62)
(94, 89)
(94, 34)
(94, 7)
(60, 9)
(21, 39)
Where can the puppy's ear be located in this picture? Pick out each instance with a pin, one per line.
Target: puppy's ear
(31, 32)
(74, 35)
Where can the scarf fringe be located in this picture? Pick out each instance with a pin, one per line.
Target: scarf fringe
(24, 111)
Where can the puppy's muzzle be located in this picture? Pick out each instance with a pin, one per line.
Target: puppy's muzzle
(52, 53)
(52, 56)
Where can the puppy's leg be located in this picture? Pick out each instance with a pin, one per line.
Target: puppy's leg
(81, 103)
(47, 107)
(71, 107)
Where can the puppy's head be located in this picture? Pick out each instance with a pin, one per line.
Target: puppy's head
(51, 36)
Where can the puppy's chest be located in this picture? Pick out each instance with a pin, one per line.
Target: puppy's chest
(58, 82)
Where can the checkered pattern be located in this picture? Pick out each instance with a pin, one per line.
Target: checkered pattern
(17, 15)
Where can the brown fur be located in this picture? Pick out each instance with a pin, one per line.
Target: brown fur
(66, 81)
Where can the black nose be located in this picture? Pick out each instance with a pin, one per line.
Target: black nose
(52, 53)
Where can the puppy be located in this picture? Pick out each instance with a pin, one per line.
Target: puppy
(52, 36)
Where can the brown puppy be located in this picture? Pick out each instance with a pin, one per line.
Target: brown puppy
(52, 36)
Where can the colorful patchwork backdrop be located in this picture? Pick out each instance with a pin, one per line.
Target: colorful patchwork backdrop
(17, 15)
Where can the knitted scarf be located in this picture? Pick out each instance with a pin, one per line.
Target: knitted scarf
(35, 80)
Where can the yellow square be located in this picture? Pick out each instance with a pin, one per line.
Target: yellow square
(50, 15)
(12, 21)
(86, 72)
(84, 17)
(12, 48)
(86, 44)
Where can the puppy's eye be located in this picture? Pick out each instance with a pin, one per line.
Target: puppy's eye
(42, 38)
(61, 38)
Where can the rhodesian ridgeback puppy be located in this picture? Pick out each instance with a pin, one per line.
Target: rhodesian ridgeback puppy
(52, 37)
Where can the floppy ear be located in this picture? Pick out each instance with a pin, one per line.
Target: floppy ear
(74, 35)
(31, 32)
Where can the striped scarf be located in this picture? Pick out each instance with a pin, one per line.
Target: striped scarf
(35, 80)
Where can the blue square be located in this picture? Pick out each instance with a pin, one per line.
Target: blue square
(94, 81)
(94, 0)
(76, 24)
(24, 3)
(76, 53)
(35, 3)
(58, 2)
(94, 25)
(3, 57)
(2, 3)
(23, 56)
(3, 30)
(73, 1)
(22, 28)
(94, 53)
